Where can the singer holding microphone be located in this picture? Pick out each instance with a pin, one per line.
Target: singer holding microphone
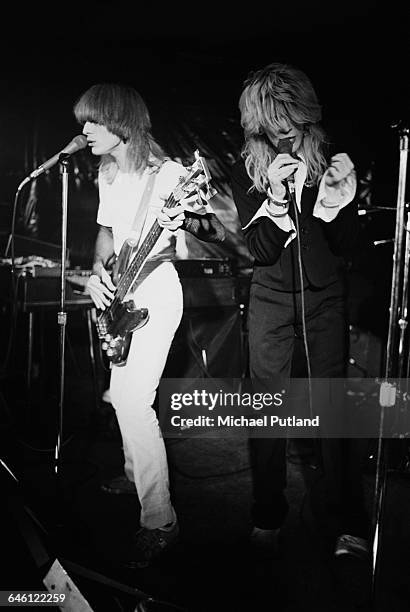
(295, 201)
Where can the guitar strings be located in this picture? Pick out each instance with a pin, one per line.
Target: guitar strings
(127, 279)
(149, 241)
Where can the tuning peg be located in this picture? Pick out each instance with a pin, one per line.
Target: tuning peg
(110, 352)
(104, 346)
(107, 337)
(113, 342)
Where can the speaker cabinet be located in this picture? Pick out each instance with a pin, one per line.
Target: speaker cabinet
(208, 343)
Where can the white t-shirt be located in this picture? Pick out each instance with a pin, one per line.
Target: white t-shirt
(119, 202)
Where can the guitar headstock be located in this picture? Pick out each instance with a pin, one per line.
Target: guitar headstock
(198, 179)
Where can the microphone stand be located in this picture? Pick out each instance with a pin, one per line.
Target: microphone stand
(390, 392)
(56, 572)
(62, 315)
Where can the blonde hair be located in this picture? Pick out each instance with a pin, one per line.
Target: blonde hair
(124, 113)
(273, 96)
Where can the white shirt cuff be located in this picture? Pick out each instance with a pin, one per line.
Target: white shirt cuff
(278, 214)
(332, 199)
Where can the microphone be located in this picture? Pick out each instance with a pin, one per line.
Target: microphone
(77, 143)
(285, 146)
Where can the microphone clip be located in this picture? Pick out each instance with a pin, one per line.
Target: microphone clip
(64, 158)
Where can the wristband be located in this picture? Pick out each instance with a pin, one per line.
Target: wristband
(282, 206)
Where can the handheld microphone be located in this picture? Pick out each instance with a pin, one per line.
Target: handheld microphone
(285, 146)
(77, 143)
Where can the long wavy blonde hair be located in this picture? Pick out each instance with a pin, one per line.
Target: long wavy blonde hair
(123, 112)
(273, 96)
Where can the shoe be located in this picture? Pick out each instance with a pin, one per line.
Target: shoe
(352, 545)
(265, 540)
(120, 485)
(149, 544)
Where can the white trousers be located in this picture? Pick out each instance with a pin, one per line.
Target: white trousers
(133, 389)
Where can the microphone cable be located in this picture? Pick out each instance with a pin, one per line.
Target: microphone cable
(285, 146)
(14, 281)
(292, 198)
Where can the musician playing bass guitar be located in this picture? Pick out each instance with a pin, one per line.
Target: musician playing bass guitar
(135, 182)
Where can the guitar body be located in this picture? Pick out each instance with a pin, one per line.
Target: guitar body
(116, 331)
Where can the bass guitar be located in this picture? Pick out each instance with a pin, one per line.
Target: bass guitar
(116, 324)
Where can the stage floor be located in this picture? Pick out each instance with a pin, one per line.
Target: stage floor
(212, 566)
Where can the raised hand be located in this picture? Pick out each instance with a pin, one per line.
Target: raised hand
(340, 167)
(171, 218)
(280, 169)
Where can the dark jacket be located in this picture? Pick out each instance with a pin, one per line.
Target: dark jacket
(324, 246)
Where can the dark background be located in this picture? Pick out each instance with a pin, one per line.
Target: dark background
(199, 55)
(195, 57)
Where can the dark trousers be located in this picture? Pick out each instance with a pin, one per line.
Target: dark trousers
(274, 325)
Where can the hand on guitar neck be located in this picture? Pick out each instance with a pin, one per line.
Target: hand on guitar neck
(173, 218)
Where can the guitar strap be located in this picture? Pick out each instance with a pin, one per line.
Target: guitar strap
(142, 212)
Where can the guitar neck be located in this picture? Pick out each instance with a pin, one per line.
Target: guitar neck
(187, 186)
(145, 249)
(132, 271)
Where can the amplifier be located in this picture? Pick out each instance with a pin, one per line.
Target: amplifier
(25, 246)
(43, 289)
(206, 267)
(200, 292)
(40, 287)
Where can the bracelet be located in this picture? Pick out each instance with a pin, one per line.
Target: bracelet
(283, 205)
(273, 199)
